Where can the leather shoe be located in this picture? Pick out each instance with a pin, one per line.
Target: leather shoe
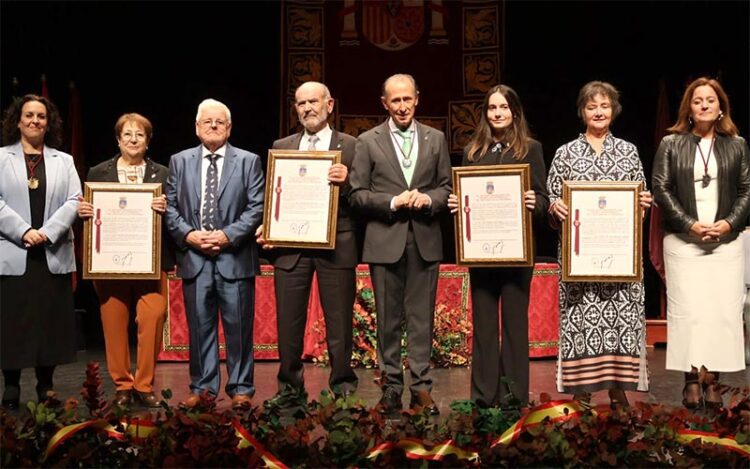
(122, 398)
(147, 399)
(11, 398)
(191, 401)
(390, 403)
(422, 401)
(241, 400)
(11, 404)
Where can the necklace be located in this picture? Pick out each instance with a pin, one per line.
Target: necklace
(706, 180)
(32, 161)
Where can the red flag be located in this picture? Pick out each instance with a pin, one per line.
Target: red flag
(74, 130)
(656, 232)
(45, 91)
(74, 140)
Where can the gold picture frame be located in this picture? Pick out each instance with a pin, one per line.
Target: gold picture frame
(123, 238)
(301, 206)
(602, 236)
(491, 197)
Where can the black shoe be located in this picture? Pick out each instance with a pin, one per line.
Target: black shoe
(422, 401)
(146, 399)
(123, 398)
(288, 398)
(390, 403)
(11, 398)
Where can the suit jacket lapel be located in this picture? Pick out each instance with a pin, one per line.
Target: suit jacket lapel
(150, 175)
(337, 141)
(193, 171)
(52, 168)
(424, 134)
(385, 142)
(227, 169)
(18, 163)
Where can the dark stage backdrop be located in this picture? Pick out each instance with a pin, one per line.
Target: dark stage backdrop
(162, 58)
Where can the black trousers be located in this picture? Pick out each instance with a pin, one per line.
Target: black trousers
(405, 292)
(493, 358)
(336, 287)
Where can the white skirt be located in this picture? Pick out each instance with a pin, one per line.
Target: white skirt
(705, 294)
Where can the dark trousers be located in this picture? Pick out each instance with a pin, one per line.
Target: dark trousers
(205, 295)
(493, 358)
(336, 287)
(407, 289)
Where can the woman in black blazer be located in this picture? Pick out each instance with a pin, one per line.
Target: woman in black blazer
(503, 137)
(701, 182)
(116, 297)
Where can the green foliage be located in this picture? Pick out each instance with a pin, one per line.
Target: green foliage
(338, 431)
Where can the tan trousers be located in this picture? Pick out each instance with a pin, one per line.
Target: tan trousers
(116, 298)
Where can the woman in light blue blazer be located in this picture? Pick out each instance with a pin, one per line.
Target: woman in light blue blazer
(39, 190)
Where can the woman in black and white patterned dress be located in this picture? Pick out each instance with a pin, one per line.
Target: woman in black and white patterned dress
(602, 325)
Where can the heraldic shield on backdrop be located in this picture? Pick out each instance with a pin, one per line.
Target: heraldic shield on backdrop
(453, 50)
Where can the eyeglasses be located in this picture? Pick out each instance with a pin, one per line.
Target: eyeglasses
(206, 123)
(130, 136)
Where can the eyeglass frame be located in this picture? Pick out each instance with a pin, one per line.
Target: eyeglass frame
(207, 123)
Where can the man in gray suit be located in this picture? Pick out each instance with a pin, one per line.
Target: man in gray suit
(401, 178)
(215, 204)
(294, 268)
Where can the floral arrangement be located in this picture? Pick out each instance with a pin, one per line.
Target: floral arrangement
(450, 342)
(344, 433)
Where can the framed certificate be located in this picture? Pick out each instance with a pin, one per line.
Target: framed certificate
(123, 239)
(602, 235)
(493, 227)
(301, 205)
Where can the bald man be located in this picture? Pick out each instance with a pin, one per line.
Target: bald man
(401, 178)
(335, 269)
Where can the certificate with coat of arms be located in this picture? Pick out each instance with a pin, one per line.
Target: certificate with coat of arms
(493, 227)
(301, 206)
(123, 239)
(602, 235)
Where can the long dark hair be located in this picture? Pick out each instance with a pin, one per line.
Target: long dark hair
(12, 116)
(724, 125)
(516, 137)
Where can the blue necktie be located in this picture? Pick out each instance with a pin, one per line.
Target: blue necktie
(210, 219)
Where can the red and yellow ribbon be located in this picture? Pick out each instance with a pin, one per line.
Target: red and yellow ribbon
(415, 449)
(246, 439)
(136, 428)
(686, 436)
(554, 410)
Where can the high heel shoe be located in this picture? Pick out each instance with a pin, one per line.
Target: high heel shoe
(618, 396)
(712, 391)
(692, 388)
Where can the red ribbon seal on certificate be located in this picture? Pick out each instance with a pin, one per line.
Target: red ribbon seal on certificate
(577, 228)
(278, 199)
(98, 224)
(467, 211)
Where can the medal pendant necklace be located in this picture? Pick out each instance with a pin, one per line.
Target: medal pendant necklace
(406, 160)
(32, 161)
(706, 180)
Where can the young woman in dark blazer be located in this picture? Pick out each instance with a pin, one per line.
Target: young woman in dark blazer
(503, 137)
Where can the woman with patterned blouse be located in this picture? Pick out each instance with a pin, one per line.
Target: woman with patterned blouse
(602, 325)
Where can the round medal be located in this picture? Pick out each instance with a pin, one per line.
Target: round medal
(33, 183)
(406, 162)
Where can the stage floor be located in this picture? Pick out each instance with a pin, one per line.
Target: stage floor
(450, 384)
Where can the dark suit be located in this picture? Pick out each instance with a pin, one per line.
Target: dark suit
(225, 282)
(403, 247)
(493, 359)
(293, 271)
